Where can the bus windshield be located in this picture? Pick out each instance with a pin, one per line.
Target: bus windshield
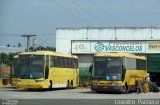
(108, 68)
(15, 70)
(31, 66)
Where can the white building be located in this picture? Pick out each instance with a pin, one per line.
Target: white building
(85, 42)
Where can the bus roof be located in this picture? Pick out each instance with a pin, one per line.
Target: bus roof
(120, 54)
(48, 53)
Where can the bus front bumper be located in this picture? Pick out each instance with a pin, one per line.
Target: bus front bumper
(31, 85)
(104, 88)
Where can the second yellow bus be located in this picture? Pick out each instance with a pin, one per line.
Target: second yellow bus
(117, 72)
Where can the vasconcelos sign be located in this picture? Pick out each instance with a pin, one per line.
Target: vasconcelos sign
(118, 46)
(108, 46)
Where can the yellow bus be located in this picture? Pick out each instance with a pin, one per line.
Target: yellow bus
(46, 69)
(117, 72)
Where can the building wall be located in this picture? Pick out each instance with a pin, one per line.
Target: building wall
(65, 35)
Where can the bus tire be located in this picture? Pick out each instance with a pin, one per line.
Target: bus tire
(71, 84)
(68, 84)
(125, 90)
(50, 85)
(138, 87)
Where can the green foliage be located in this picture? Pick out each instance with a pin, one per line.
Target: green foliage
(42, 48)
(19, 45)
(7, 58)
(8, 45)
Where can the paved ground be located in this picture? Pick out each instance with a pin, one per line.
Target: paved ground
(79, 95)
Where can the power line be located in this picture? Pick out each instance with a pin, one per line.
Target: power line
(4, 34)
(105, 11)
(7, 33)
(47, 34)
(66, 10)
(11, 34)
(89, 13)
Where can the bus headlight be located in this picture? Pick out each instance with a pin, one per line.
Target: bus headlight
(39, 81)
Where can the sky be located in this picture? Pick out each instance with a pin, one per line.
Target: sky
(42, 17)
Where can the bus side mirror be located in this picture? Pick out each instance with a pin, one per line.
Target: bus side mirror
(46, 72)
(123, 68)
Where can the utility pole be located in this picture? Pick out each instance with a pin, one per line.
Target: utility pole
(28, 40)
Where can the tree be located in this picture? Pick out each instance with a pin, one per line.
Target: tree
(31, 49)
(19, 45)
(43, 48)
(7, 59)
(4, 58)
(8, 45)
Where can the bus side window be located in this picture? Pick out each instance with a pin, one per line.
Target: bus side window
(52, 62)
(66, 62)
(123, 72)
(76, 63)
(47, 60)
(57, 61)
(46, 72)
(69, 63)
(47, 67)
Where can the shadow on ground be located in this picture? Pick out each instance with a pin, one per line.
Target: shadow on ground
(10, 88)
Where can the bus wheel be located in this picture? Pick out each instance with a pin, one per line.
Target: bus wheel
(125, 89)
(71, 85)
(139, 87)
(50, 85)
(68, 84)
